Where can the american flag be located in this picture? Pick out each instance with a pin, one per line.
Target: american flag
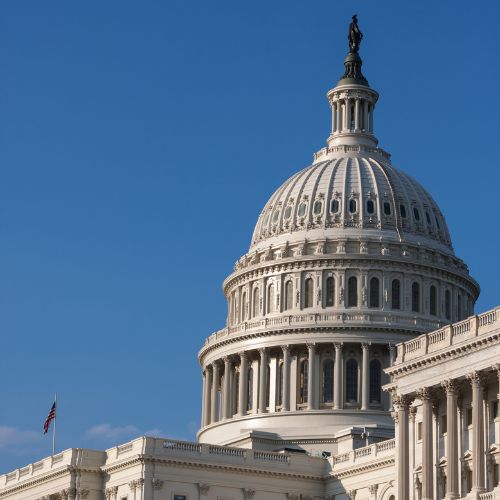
(51, 416)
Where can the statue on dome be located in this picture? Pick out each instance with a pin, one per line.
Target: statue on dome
(355, 36)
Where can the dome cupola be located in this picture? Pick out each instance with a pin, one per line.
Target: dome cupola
(349, 256)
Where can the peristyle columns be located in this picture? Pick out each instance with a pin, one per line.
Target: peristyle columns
(339, 362)
(452, 488)
(365, 384)
(242, 389)
(285, 403)
(215, 393)
(262, 380)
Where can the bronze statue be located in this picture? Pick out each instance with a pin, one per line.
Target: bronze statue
(355, 36)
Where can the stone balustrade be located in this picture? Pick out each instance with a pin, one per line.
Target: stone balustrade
(474, 326)
(360, 455)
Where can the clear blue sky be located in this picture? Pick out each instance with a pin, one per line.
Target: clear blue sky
(139, 141)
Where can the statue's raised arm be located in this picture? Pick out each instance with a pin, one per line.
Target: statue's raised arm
(355, 36)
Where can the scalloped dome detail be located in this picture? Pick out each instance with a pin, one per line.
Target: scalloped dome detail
(352, 196)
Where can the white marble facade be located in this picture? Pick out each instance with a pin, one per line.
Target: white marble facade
(350, 286)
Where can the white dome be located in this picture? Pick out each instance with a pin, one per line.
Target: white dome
(350, 195)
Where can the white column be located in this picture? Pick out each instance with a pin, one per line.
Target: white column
(452, 489)
(347, 115)
(242, 389)
(285, 390)
(402, 449)
(311, 400)
(226, 389)
(334, 115)
(356, 115)
(478, 485)
(365, 115)
(215, 390)
(338, 367)
(262, 380)
(204, 398)
(371, 118)
(208, 396)
(365, 384)
(427, 444)
(339, 116)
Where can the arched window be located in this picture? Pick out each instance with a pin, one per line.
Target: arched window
(352, 381)
(308, 293)
(328, 381)
(268, 385)
(244, 306)
(279, 384)
(303, 381)
(330, 291)
(415, 297)
(396, 294)
(288, 295)
(271, 300)
(447, 304)
(250, 390)
(433, 300)
(352, 292)
(374, 292)
(256, 300)
(375, 381)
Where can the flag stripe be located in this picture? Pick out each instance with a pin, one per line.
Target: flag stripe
(51, 416)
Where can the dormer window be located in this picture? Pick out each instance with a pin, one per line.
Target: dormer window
(370, 207)
(334, 206)
(387, 208)
(428, 217)
(402, 211)
(288, 212)
(302, 209)
(416, 214)
(276, 216)
(318, 207)
(353, 206)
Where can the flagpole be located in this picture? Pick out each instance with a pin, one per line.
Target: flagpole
(54, 428)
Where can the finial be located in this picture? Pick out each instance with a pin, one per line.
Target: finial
(355, 36)
(353, 62)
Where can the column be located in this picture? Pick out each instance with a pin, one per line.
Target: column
(338, 367)
(365, 116)
(215, 389)
(285, 390)
(311, 400)
(356, 115)
(452, 489)
(402, 447)
(242, 389)
(478, 485)
(371, 117)
(427, 444)
(226, 389)
(339, 116)
(208, 396)
(262, 380)
(365, 383)
(346, 114)
(334, 114)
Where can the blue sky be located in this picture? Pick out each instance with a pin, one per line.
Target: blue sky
(140, 140)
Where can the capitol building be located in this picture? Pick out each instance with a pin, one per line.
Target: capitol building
(352, 364)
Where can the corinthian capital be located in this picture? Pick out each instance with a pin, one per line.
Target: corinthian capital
(450, 386)
(476, 379)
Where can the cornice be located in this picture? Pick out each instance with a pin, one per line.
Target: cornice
(46, 477)
(355, 470)
(296, 330)
(456, 351)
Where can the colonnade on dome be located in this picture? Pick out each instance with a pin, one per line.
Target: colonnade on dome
(296, 377)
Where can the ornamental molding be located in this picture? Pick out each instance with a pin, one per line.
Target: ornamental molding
(455, 352)
(354, 471)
